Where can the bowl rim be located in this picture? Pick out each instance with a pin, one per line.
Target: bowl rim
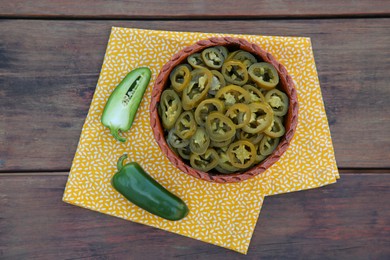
(287, 85)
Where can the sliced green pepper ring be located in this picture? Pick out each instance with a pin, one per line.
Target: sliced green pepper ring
(264, 74)
(268, 145)
(176, 141)
(230, 55)
(241, 154)
(184, 152)
(224, 165)
(204, 162)
(196, 61)
(213, 58)
(233, 94)
(222, 170)
(255, 93)
(253, 138)
(197, 89)
(206, 107)
(261, 118)
(217, 82)
(200, 141)
(222, 143)
(245, 57)
(219, 127)
(185, 125)
(276, 129)
(240, 114)
(278, 101)
(223, 50)
(174, 150)
(180, 77)
(259, 156)
(170, 107)
(235, 72)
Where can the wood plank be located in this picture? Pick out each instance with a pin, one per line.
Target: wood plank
(347, 220)
(192, 9)
(49, 69)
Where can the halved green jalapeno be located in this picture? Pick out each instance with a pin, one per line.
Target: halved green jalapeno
(268, 145)
(219, 127)
(180, 77)
(264, 74)
(240, 114)
(213, 58)
(206, 107)
(235, 72)
(200, 141)
(261, 118)
(197, 89)
(278, 101)
(276, 129)
(185, 125)
(196, 61)
(171, 108)
(233, 94)
(204, 162)
(241, 154)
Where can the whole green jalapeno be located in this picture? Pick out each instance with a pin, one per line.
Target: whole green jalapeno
(141, 189)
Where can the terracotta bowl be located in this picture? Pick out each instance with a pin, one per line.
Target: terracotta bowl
(286, 84)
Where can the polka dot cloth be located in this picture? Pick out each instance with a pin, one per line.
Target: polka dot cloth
(221, 214)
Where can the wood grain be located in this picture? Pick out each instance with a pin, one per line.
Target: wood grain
(199, 9)
(347, 220)
(49, 69)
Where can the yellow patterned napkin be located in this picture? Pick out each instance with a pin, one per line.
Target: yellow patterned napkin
(221, 214)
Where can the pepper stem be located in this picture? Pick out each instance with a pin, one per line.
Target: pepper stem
(115, 134)
(119, 164)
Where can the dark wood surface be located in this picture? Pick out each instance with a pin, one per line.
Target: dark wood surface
(48, 82)
(343, 221)
(50, 57)
(200, 9)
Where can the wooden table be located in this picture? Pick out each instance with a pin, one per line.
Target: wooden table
(50, 57)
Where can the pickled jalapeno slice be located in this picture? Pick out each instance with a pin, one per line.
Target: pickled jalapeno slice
(197, 89)
(213, 58)
(233, 94)
(170, 108)
(278, 101)
(185, 125)
(204, 162)
(235, 72)
(206, 107)
(240, 114)
(242, 154)
(180, 77)
(196, 61)
(219, 127)
(264, 74)
(261, 118)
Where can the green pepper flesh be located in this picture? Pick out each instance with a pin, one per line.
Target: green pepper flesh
(123, 103)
